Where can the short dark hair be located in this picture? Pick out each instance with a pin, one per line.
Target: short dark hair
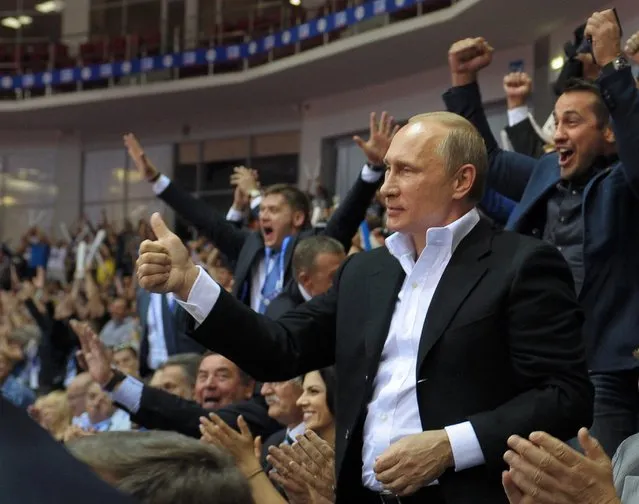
(599, 107)
(294, 197)
(158, 467)
(245, 378)
(308, 249)
(189, 362)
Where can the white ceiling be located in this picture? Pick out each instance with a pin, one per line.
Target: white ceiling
(394, 51)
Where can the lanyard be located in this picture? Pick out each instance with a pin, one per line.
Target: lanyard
(270, 264)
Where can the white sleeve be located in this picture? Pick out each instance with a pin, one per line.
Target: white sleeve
(255, 203)
(160, 185)
(369, 175)
(129, 394)
(234, 215)
(465, 445)
(517, 115)
(202, 298)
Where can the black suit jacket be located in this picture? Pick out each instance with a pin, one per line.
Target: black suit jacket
(524, 139)
(288, 299)
(34, 468)
(501, 347)
(243, 247)
(164, 411)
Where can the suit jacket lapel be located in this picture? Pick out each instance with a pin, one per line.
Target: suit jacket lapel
(463, 273)
(384, 285)
(253, 247)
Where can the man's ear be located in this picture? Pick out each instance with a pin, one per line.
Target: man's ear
(298, 219)
(609, 134)
(302, 278)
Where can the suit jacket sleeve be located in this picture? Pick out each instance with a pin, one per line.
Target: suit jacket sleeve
(496, 206)
(525, 139)
(345, 222)
(224, 234)
(508, 172)
(164, 411)
(301, 340)
(621, 96)
(547, 355)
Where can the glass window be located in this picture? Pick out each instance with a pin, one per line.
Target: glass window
(16, 220)
(142, 209)
(106, 20)
(104, 175)
(216, 175)
(28, 178)
(143, 18)
(280, 169)
(114, 213)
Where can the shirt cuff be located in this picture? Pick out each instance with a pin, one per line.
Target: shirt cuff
(202, 298)
(234, 215)
(517, 115)
(129, 394)
(160, 185)
(465, 446)
(255, 202)
(371, 176)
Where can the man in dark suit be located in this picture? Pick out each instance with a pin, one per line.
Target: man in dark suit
(157, 409)
(163, 325)
(446, 341)
(584, 200)
(35, 468)
(263, 258)
(315, 261)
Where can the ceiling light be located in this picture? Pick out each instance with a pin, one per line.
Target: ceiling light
(25, 20)
(11, 22)
(50, 6)
(557, 63)
(295, 2)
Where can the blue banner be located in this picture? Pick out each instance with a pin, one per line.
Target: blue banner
(199, 57)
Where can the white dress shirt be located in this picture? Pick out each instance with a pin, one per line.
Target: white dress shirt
(393, 412)
(158, 352)
(258, 269)
(517, 115)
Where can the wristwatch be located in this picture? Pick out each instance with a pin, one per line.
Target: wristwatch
(154, 178)
(619, 63)
(117, 378)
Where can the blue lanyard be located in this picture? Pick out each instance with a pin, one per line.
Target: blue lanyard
(281, 259)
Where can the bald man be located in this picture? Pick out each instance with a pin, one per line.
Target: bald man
(446, 341)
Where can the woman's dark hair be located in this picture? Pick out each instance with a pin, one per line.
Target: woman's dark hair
(330, 381)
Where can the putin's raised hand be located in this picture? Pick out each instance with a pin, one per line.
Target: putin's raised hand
(164, 264)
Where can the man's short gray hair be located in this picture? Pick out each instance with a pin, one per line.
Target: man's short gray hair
(158, 467)
(462, 145)
(308, 249)
(189, 362)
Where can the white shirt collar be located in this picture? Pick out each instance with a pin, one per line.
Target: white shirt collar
(400, 245)
(305, 295)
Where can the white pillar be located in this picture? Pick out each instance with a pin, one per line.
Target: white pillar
(75, 24)
(191, 23)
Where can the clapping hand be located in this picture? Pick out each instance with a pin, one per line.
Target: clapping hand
(94, 355)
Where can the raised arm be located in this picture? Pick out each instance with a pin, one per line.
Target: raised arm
(509, 172)
(300, 341)
(346, 220)
(226, 236)
(619, 92)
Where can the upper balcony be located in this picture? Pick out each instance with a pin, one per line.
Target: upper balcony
(133, 42)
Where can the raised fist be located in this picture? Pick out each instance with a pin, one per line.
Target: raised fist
(517, 86)
(469, 56)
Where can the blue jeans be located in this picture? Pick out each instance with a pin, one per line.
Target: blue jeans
(616, 414)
